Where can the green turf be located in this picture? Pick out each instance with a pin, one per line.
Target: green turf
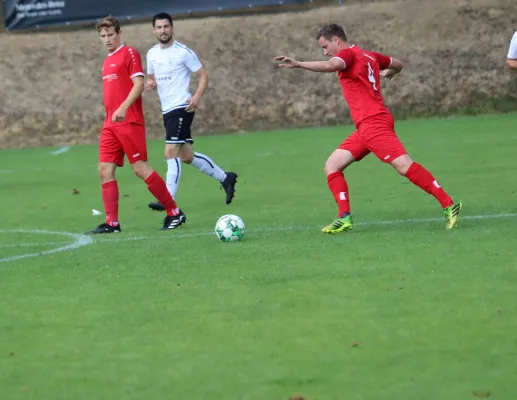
(401, 310)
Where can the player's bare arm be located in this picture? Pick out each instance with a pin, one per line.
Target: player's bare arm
(202, 75)
(150, 83)
(511, 64)
(134, 94)
(332, 65)
(394, 69)
(511, 57)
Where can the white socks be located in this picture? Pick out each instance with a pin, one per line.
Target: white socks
(200, 161)
(206, 165)
(173, 175)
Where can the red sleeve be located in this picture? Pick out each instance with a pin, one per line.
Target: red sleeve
(348, 57)
(384, 61)
(134, 63)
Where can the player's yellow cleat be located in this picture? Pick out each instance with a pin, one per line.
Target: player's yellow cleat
(452, 215)
(339, 225)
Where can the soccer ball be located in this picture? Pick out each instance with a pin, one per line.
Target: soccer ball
(229, 228)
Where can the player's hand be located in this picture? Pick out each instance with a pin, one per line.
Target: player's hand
(119, 115)
(388, 73)
(287, 62)
(150, 85)
(193, 104)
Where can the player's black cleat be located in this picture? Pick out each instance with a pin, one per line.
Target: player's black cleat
(156, 206)
(229, 186)
(104, 228)
(173, 221)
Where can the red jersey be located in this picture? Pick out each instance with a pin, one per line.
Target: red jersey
(119, 68)
(360, 82)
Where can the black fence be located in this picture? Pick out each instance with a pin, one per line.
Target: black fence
(20, 14)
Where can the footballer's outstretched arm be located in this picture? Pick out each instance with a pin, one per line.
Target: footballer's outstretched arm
(332, 65)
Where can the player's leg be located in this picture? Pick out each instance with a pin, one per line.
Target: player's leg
(349, 151)
(421, 177)
(172, 177)
(172, 152)
(111, 154)
(207, 166)
(385, 144)
(173, 123)
(132, 138)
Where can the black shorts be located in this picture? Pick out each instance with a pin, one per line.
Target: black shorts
(177, 126)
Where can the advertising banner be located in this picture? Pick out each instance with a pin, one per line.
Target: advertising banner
(39, 13)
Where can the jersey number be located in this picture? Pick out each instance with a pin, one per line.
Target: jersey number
(371, 77)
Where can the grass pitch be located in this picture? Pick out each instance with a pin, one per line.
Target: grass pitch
(396, 309)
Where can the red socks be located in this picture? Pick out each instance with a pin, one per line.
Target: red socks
(158, 188)
(339, 188)
(416, 174)
(422, 178)
(110, 199)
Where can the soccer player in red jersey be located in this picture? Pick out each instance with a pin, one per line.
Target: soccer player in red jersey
(359, 73)
(123, 132)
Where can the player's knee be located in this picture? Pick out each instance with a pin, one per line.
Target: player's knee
(106, 173)
(172, 152)
(187, 158)
(330, 168)
(402, 164)
(402, 170)
(332, 165)
(142, 169)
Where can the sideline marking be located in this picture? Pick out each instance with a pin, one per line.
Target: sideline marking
(83, 240)
(61, 150)
(79, 241)
(306, 227)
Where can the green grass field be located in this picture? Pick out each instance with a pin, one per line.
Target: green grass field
(396, 309)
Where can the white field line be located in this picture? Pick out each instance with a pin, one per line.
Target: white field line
(82, 240)
(79, 241)
(61, 150)
(303, 228)
(35, 244)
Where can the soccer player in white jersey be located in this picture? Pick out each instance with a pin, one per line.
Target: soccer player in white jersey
(169, 67)
(511, 58)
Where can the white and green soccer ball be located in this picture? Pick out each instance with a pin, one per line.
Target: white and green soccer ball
(229, 228)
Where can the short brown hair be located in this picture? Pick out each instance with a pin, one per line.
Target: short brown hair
(108, 22)
(331, 30)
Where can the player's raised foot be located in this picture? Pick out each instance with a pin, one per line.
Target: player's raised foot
(156, 206)
(173, 221)
(229, 186)
(104, 228)
(452, 215)
(341, 224)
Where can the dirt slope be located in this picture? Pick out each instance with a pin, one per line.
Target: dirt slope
(454, 53)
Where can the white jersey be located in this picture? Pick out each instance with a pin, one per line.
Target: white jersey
(171, 68)
(512, 51)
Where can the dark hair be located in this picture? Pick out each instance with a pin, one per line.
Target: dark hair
(331, 30)
(108, 22)
(162, 15)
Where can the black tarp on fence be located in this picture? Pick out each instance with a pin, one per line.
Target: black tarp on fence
(38, 13)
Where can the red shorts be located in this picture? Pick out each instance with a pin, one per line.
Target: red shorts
(117, 140)
(375, 135)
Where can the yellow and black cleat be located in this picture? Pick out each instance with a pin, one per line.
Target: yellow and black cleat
(452, 215)
(339, 225)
